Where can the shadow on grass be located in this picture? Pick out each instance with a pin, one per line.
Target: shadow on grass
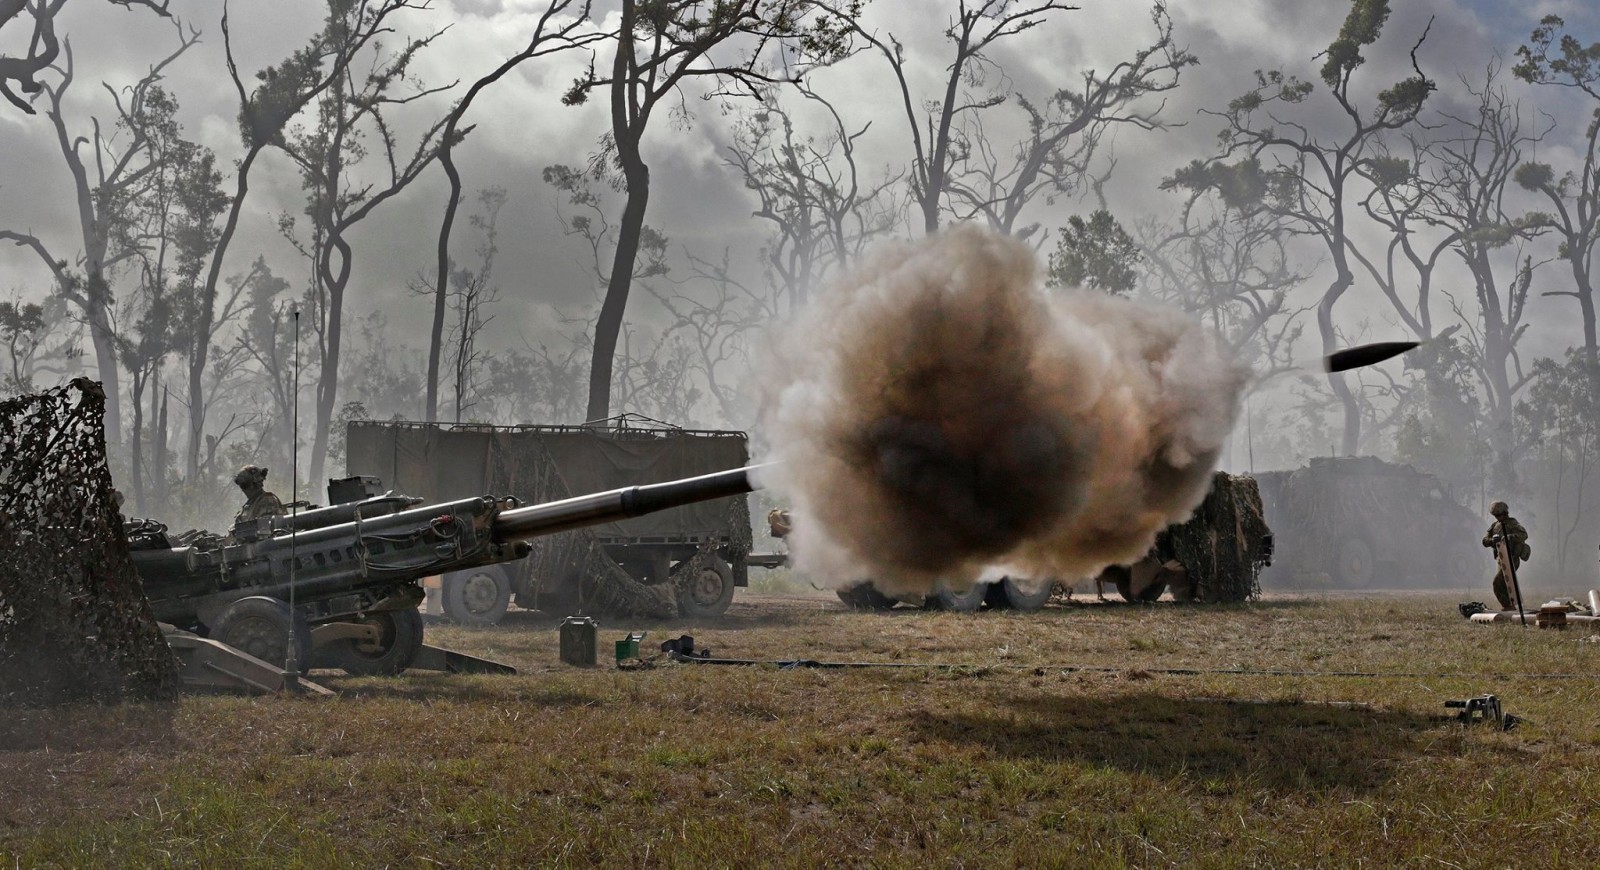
(462, 689)
(88, 728)
(1278, 746)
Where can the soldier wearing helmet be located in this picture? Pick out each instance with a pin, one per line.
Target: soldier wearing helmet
(1516, 539)
(251, 480)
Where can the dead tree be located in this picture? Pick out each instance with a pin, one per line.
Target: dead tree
(553, 33)
(1325, 170)
(661, 47)
(103, 172)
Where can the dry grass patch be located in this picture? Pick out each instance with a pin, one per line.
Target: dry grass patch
(1008, 756)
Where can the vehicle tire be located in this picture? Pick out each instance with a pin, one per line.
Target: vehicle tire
(960, 602)
(399, 639)
(708, 592)
(477, 597)
(1354, 564)
(865, 596)
(261, 626)
(1148, 595)
(1021, 596)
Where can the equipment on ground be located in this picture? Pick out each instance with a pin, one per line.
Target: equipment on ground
(1484, 708)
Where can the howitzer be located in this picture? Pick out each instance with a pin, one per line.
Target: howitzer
(339, 586)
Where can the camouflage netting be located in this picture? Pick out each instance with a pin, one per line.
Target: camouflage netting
(571, 570)
(74, 622)
(603, 587)
(1220, 543)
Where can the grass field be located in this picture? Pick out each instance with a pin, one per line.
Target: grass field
(1068, 737)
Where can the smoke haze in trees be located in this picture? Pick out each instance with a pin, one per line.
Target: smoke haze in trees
(939, 418)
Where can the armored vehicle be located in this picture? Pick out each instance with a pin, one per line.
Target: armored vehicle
(1357, 522)
(690, 557)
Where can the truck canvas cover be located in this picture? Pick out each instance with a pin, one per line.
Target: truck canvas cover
(544, 463)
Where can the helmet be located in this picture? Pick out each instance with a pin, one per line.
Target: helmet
(1499, 509)
(250, 474)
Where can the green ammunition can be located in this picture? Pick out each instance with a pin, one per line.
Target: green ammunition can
(580, 641)
(628, 647)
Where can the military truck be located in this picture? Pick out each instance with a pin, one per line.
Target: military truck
(1357, 522)
(692, 556)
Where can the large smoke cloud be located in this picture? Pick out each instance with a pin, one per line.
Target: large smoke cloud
(939, 416)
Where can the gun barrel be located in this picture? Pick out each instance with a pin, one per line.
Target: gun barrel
(617, 504)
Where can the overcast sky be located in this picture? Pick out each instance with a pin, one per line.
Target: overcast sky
(696, 199)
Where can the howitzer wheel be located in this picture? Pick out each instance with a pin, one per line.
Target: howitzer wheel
(707, 592)
(865, 596)
(399, 640)
(967, 601)
(266, 628)
(477, 597)
(1023, 595)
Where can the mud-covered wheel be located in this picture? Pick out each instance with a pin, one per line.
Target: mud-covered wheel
(966, 601)
(1354, 563)
(1024, 595)
(477, 597)
(865, 596)
(266, 628)
(399, 640)
(707, 592)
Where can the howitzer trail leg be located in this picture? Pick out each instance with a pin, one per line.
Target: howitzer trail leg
(432, 658)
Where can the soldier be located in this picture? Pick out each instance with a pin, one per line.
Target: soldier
(258, 502)
(1516, 538)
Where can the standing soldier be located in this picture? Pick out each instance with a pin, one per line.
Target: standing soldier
(258, 502)
(1516, 539)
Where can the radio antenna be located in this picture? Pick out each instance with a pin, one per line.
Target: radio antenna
(293, 663)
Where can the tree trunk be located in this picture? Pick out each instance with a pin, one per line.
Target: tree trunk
(1330, 343)
(1591, 343)
(139, 503)
(636, 175)
(328, 379)
(442, 280)
(200, 349)
(105, 357)
(158, 475)
(609, 326)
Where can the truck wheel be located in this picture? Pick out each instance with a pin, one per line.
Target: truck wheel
(1354, 563)
(706, 593)
(1148, 595)
(399, 639)
(865, 596)
(477, 597)
(261, 626)
(1023, 596)
(960, 602)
